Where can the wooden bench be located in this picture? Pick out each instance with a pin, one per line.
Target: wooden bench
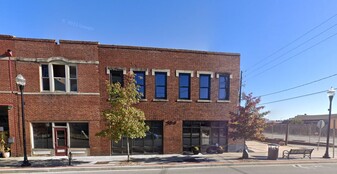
(305, 152)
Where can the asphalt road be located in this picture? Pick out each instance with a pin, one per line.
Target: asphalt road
(251, 169)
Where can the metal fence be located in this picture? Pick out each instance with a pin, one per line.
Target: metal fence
(306, 133)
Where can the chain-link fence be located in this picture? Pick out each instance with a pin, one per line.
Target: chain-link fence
(306, 133)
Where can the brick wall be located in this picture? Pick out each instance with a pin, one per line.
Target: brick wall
(92, 60)
(83, 106)
(152, 58)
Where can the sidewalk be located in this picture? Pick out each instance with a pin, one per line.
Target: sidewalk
(258, 156)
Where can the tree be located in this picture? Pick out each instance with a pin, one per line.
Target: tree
(248, 122)
(295, 120)
(122, 118)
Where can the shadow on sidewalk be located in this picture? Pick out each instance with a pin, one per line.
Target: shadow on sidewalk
(41, 163)
(174, 159)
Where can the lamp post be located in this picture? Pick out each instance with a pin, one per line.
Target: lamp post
(331, 93)
(21, 82)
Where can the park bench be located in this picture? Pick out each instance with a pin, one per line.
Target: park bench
(305, 152)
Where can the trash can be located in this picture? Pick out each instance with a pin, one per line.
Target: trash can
(273, 151)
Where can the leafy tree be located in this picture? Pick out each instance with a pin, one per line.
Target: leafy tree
(295, 120)
(248, 122)
(122, 118)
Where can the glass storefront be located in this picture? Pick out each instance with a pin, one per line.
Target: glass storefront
(76, 133)
(79, 135)
(204, 134)
(151, 144)
(42, 134)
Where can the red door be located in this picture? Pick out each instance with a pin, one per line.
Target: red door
(61, 142)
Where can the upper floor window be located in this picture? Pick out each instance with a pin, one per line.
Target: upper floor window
(117, 76)
(161, 85)
(59, 78)
(184, 86)
(223, 87)
(140, 82)
(204, 86)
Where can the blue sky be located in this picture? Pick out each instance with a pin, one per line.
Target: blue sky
(254, 28)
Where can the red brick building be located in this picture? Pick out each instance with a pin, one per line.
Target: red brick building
(187, 95)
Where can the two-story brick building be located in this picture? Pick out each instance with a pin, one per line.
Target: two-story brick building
(187, 95)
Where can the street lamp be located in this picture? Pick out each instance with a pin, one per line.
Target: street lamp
(21, 82)
(331, 93)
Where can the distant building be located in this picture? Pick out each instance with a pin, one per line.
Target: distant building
(313, 119)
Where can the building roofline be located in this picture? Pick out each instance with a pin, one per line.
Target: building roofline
(11, 37)
(166, 49)
(78, 42)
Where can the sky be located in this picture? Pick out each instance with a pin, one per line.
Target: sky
(283, 44)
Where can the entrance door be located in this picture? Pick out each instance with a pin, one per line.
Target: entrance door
(61, 141)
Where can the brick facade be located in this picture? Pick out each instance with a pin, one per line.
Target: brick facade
(92, 61)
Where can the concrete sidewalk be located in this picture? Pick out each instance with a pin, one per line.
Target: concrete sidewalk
(258, 156)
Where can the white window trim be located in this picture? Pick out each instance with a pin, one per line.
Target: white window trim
(31, 135)
(204, 101)
(160, 100)
(140, 69)
(161, 70)
(205, 72)
(108, 69)
(51, 77)
(185, 72)
(218, 75)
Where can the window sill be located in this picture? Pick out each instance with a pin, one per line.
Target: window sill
(143, 100)
(59, 92)
(204, 101)
(160, 100)
(223, 101)
(184, 100)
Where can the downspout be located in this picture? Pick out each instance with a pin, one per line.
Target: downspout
(9, 54)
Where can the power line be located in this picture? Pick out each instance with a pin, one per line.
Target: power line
(306, 95)
(294, 40)
(306, 41)
(305, 84)
(301, 52)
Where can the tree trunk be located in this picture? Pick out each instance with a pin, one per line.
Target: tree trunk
(245, 154)
(128, 148)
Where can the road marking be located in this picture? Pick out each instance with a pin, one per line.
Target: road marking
(308, 166)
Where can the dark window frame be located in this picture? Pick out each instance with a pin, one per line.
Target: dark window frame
(84, 137)
(117, 72)
(44, 139)
(194, 131)
(138, 145)
(165, 85)
(202, 87)
(46, 77)
(226, 88)
(184, 87)
(142, 85)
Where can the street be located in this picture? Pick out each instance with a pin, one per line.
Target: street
(245, 169)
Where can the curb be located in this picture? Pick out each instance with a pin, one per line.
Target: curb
(156, 166)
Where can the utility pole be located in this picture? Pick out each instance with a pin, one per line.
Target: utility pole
(240, 92)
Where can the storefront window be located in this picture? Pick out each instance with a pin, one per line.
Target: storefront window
(43, 135)
(151, 144)
(204, 134)
(79, 135)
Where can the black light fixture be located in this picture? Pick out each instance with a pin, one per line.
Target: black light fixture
(331, 93)
(21, 82)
